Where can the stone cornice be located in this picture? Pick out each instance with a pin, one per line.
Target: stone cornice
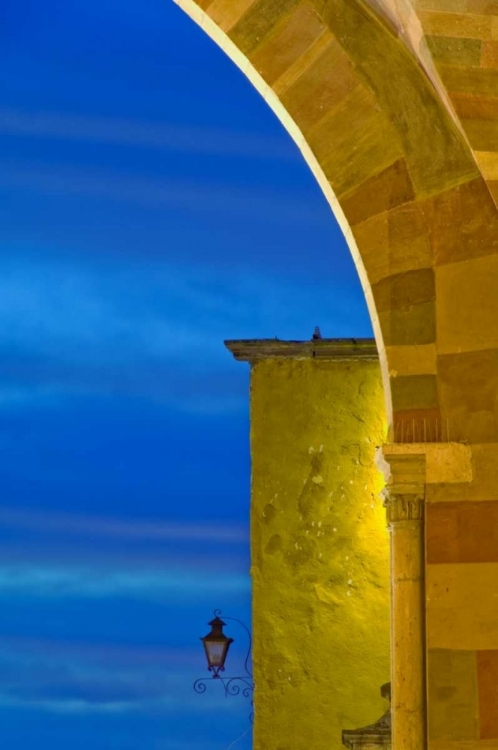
(255, 350)
(445, 463)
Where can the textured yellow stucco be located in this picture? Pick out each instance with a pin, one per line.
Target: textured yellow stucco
(320, 551)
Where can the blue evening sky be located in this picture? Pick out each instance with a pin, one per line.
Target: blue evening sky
(151, 207)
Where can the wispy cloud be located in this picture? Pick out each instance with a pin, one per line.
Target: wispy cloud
(174, 702)
(71, 706)
(84, 695)
(275, 206)
(150, 329)
(97, 655)
(135, 530)
(129, 656)
(86, 582)
(159, 306)
(84, 678)
(97, 557)
(157, 136)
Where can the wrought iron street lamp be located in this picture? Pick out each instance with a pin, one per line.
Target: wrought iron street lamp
(216, 645)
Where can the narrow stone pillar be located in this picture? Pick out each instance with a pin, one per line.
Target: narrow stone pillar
(405, 501)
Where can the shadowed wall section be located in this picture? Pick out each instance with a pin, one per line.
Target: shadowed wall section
(394, 107)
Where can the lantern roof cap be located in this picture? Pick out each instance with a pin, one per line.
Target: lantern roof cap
(217, 621)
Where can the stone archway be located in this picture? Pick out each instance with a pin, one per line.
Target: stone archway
(394, 104)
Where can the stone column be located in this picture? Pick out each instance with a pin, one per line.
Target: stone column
(405, 501)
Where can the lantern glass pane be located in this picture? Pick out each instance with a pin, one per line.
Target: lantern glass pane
(216, 652)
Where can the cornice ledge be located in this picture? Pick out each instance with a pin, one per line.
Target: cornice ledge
(256, 350)
(445, 463)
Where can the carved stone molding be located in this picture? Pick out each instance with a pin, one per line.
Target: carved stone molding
(375, 735)
(404, 507)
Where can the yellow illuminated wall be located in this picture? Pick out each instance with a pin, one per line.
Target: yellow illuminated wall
(320, 563)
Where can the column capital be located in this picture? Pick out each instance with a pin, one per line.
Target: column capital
(405, 475)
(406, 507)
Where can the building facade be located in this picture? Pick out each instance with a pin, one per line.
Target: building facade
(394, 105)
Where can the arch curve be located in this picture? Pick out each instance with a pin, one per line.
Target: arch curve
(381, 138)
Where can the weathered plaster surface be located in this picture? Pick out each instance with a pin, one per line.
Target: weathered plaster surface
(319, 551)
